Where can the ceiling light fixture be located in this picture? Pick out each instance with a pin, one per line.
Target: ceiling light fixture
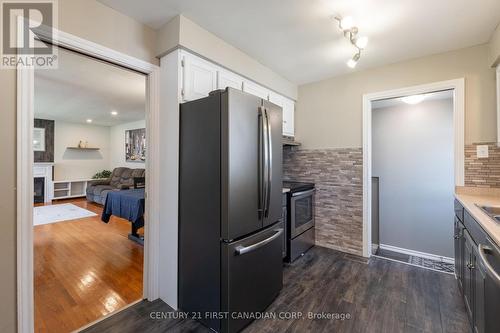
(361, 42)
(413, 99)
(114, 113)
(346, 24)
(89, 121)
(354, 60)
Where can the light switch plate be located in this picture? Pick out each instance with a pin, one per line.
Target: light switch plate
(482, 151)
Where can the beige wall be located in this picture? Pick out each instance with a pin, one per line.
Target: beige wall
(93, 21)
(76, 164)
(87, 19)
(8, 202)
(329, 112)
(208, 45)
(168, 36)
(495, 47)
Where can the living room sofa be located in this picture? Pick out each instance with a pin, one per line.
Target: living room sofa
(121, 179)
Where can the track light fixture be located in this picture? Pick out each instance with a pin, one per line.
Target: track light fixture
(354, 60)
(346, 24)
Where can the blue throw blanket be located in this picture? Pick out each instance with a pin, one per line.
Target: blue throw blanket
(127, 204)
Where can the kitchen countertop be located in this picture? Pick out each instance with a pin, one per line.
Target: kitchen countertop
(469, 199)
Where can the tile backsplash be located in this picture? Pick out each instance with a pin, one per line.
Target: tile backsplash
(338, 175)
(482, 172)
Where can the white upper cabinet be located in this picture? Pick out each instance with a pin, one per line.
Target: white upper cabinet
(276, 99)
(227, 79)
(288, 107)
(199, 77)
(255, 89)
(288, 117)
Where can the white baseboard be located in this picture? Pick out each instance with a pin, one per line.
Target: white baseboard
(417, 253)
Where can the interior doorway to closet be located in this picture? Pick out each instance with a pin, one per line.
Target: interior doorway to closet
(413, 179)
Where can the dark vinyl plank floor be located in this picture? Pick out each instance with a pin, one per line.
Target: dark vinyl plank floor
(377, 296)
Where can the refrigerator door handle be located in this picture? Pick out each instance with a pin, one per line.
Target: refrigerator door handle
(265, 167)
(263, 163)
(241, 250)
(269, 164)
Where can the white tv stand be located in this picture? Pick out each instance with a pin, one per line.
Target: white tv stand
(66, 189)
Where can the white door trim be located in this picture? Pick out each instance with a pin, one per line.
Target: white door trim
(25, 115)
(458, 87)
(498, 105)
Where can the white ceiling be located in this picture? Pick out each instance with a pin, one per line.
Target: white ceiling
(390, 102)
(84, 88)
(299, 40)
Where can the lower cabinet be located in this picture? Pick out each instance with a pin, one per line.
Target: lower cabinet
(479, 276)
(459, 241)
(475, 275)
(467, 284)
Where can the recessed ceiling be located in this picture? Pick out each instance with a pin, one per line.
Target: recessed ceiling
(299, 40)
(84, 88)
(433, 96)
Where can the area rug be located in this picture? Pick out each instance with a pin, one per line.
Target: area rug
(59, 213)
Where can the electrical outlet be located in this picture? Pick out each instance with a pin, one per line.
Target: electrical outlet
(482, 151)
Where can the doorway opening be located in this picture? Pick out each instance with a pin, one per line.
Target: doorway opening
(89, 147)
(410, 154)
(26, 146)
(412, 177)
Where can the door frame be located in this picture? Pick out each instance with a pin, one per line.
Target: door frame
(25, 116)
(458, 87)
(498, 104)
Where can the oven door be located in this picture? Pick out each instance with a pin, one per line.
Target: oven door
(301, 212)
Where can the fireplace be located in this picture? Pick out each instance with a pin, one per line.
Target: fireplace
(43, 181)
(39, 190)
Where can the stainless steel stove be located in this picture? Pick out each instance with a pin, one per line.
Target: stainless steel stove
(300, 231)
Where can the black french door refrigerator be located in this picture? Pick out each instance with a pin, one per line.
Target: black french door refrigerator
(230, 228)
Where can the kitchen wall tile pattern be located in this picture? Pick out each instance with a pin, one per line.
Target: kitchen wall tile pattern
(338, 175)
(482, 172)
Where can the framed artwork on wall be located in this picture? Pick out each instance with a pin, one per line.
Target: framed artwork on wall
(135, 145)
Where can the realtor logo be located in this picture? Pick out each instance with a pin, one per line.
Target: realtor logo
(27, 32)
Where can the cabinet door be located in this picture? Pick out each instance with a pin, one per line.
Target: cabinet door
(287, 109)
(288, 117)
(468, 277)
(199, 78)
(479, 277)
(255, 89)
(227, 79)
(458, 251)
(276, 99)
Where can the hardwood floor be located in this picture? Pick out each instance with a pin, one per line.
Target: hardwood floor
(83, 270)
(380, 296)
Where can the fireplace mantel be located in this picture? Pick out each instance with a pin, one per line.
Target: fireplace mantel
(44, 170)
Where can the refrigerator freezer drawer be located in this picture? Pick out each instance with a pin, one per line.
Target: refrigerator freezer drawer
(252, 276)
